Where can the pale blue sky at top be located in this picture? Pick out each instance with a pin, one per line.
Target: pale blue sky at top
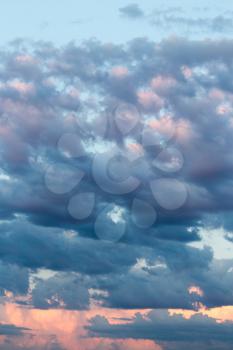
(65, 20)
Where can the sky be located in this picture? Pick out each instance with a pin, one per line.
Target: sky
(116, 200)
(64, 21)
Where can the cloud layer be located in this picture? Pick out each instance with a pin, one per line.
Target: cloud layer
(114, 158)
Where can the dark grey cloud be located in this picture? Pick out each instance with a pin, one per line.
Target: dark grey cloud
(61, 291)
(11, 330)
(13, 279)
(132, 11)
(112, 268)
(173, 332)
(10, 344)
(167, 287)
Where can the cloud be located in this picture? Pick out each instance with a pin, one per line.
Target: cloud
(165, 109)
(171, 331)
(11, 330)
(61, 291)
(132, 11)
(13, 279)
(217, 24)
(10, 345)
(177, 20)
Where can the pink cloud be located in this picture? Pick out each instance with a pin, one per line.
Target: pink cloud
(68, 327)
(119, 72)
(221, 314)
(168, 127)
(150, 100)
(25, 59)
(187, 72)
(22, 87)
(163, 83)
(196, 290)
(216, 94)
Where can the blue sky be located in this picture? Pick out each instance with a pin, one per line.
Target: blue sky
(62, 21)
